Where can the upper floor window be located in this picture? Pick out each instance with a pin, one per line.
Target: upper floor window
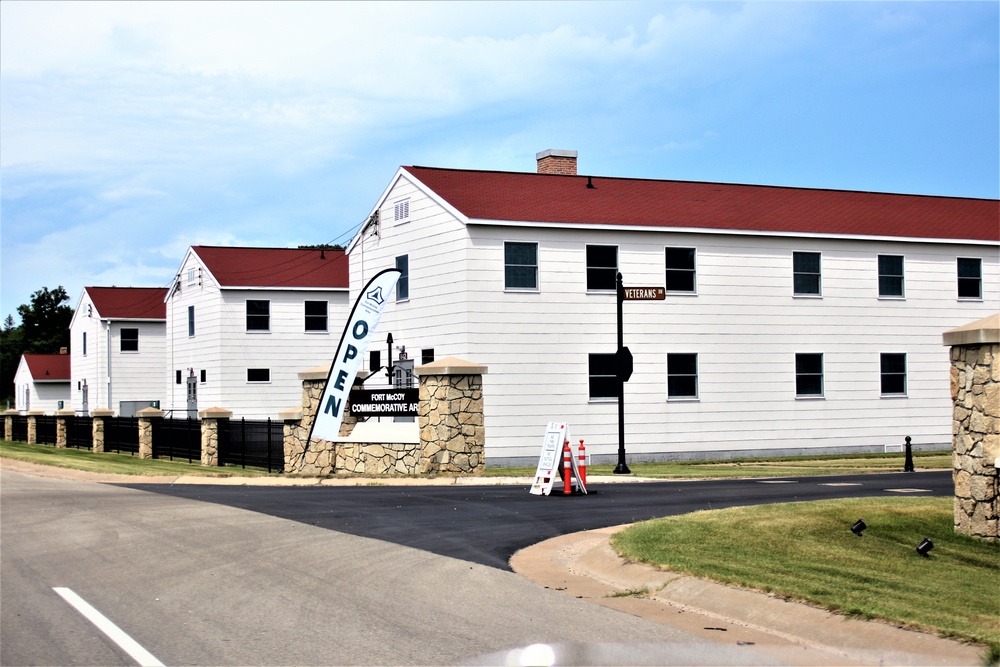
(602, 268)
(401, 211)
(806, 275)
(681, 270)
(970, 278)
(520, 266)
(682, 375)
(130, 340)
(809, 375)
(316, 315)
(890, 275)
(84, 343)
(190, 320)
(258, 315)
(603, 376)
(403, 284)
(893, 373)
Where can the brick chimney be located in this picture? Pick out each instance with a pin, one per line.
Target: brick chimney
(556, 161)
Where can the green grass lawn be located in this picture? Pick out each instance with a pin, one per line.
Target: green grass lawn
(806, 551)
(120, 464)
(771, 467)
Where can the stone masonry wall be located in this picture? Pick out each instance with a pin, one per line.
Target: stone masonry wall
(452, 432)
(975, 392)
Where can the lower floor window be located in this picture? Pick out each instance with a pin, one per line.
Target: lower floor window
(893, 371)
(809, 374)
(258, 375)
(603, 376)
(682, 376)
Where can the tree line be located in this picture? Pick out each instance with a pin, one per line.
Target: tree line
(44, 329)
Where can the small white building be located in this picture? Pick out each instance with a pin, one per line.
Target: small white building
(243, 322)
(792, 320)
(118, 339)
(42, 382)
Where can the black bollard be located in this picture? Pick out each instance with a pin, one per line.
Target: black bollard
(908, 464)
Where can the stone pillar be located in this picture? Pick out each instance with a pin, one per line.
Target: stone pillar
(33, 425)
(146, 418)
(452, 430)
(97, 427)
(61, 417)
(8, 424)
(210, 418)
(975, 394)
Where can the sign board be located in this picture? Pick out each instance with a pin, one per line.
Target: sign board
(645, 293)
(384, 402)
(548, 462)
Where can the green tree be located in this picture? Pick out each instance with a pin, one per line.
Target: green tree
(44, 329)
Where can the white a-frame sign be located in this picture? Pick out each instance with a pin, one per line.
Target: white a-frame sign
(556, 435)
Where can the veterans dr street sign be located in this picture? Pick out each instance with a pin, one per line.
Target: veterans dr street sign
(645, 293)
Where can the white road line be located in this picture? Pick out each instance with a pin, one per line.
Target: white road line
(114, 633)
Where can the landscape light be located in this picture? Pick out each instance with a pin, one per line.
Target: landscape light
(925, 546)
(858, 526)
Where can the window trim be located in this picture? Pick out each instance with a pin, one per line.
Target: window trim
(267, 381)
(822, 376)
(818, 294)
(959, 278)
(901, 277)
(306, 316)
(508, 288)
(257, 315)
(191, 329)
(697, 378)
(882, 375)
(122, 339)
(610, 357)
(601, 290)
(693, 270)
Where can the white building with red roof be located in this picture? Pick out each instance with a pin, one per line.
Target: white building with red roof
(42, 382)
(243, 322)
(792, 320)
(118, 339)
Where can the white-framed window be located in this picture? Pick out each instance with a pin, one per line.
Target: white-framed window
(603, 376)
(890, 276)
(602, 268)
(809, 375)
(403, 284)
(258, 375)
(258, 315)
(682, 375)
(520, 265)
(129, 340)
(316, 315)
(401, 211)
(681, 275)
(807, 274)
(190, 321)
(892, 372)
(970, 278)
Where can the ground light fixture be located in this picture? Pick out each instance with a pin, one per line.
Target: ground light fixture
(925, 546)
(858, 526)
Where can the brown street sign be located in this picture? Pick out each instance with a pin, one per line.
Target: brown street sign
(645, 293)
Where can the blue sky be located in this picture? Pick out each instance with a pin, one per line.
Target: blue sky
(130, 131)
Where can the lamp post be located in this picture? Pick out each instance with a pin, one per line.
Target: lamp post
(622, 467)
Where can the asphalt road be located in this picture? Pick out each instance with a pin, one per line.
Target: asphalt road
(195, 578)
(486, 525)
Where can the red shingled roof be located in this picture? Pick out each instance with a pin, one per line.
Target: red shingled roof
(276, 267)
(548, 198)
(129, 303)
(48, 367)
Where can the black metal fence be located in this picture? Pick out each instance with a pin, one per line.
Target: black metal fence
(177, 439)
(80, 432)
(121, 434)
(253, 443)
(20, 428)
(45, 429)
